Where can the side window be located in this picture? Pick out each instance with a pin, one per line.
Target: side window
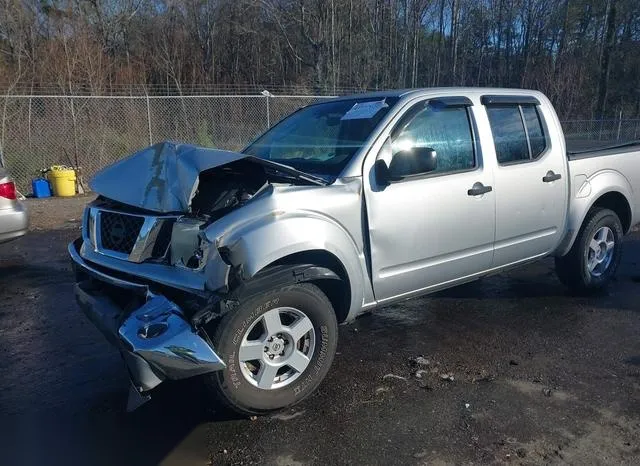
(447, 130)
(534, 129)
(518, 132)
(509, 135)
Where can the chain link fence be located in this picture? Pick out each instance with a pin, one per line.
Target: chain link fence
(602, 130)
(37, 132)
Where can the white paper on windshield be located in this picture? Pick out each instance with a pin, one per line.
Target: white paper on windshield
(364, 110)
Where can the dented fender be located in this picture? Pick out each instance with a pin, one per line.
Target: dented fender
(217, 272)
(254, 245)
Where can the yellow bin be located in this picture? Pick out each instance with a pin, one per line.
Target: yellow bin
(63, 181)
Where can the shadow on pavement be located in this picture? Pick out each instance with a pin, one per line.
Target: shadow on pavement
(63, 388)
(173, 428)
(538, 280)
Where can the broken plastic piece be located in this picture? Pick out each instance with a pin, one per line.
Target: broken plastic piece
(135, 399)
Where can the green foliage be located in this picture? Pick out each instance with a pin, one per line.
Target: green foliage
(203, 137)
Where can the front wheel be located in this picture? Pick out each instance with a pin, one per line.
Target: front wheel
(594, 257)
(278, 347)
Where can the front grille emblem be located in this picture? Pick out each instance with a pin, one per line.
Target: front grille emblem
(117, 233)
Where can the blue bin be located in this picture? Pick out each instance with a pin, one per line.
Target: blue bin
(40, 188)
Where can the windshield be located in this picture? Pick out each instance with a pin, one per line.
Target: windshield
(322, 138)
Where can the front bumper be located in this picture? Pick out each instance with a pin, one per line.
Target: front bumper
(155, 340)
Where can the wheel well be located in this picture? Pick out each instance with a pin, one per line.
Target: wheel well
(619, 204)
(338, 291)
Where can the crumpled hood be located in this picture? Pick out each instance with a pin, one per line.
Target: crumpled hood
(162, 178)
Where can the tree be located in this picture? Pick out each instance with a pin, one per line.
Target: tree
(584, 53)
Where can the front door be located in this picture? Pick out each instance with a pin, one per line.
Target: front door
(436, 228)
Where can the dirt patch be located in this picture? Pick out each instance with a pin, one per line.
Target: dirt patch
(609, 439)
(536, 389)
(53, 213)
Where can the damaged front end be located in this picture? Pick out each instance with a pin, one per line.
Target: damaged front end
(147, 274)
(155, 338)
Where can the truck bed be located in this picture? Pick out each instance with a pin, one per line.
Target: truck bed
(583, 149)
(623, 159)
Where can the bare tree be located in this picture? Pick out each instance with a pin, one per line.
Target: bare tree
(171, 46)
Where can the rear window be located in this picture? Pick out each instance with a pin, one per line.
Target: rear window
(509, 136)
(518, 132)
(534, 129)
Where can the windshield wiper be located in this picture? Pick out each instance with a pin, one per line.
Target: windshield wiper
(292, 173)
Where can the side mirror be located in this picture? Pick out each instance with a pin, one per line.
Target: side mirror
(381, 170)
(414, 161)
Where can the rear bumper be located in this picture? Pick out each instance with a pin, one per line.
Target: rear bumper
(155, 340)
(14, 222)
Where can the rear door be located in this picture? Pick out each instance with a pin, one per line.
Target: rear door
(530, 179)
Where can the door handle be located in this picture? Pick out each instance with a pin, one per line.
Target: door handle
(550, 176)
(478, 189)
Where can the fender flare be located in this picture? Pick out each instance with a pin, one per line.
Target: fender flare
(587, 191)
(283, 275)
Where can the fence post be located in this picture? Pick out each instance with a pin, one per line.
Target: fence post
(29, 132)
(74, 123)
(267, 95)
(2, 129)
(149, 121)
(619, 126)
(600, 131)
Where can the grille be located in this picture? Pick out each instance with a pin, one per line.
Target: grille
(119, 232)
(163, 239)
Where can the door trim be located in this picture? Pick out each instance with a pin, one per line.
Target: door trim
(437, 260)
(524, 238)
(455, 282)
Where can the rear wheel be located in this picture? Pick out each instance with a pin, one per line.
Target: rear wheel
(278, 347)
(594, 257)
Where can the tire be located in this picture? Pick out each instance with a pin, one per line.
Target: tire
(576, 269)
(242, 330)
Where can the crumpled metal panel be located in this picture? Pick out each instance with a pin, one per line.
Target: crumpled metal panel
(159, 334)
(161, 178)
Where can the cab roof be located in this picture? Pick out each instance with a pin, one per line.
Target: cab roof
(465, 91)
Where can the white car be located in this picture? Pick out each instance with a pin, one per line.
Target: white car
(14, 220)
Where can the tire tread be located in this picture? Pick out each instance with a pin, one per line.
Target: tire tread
(224, 398)
(569, 267)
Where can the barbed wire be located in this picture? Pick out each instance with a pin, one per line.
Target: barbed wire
(26, 88)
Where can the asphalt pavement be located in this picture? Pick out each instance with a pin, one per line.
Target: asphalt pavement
(510, 369)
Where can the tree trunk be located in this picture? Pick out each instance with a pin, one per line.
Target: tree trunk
(606, 56)
(402, 78)
(455, 9)
(436, 73)
(563, 37)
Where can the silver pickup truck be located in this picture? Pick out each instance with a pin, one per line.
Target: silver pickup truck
(238, 267)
